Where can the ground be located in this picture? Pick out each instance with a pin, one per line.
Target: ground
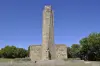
(5, 60)
(11, 62)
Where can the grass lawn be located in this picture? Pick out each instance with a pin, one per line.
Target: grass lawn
(5, 59)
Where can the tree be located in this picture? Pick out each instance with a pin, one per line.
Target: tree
(75, 48)
(13, 52)
(20, 53)
(84, 48)
(90, 46)
(8, 52)
(69, 52)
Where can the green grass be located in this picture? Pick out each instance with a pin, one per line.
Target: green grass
(5, 60)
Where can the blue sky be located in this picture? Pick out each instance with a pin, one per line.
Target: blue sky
(21, 21)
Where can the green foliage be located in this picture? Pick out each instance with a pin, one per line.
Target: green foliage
(84, 45)
(12, 52)
(8, 52)
(69, 52)
(73, 51)
(90, 46)
(20, 52)
(75, 48)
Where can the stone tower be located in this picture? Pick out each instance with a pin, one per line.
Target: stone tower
(48, 50)
(48, 34)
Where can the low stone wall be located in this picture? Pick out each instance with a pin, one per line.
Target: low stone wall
(61, 51)
(35, 52)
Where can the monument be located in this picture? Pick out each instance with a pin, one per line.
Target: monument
(48, 50)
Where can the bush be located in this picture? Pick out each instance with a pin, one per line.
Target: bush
(13, 52)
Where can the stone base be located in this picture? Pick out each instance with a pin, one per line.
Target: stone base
(60, 52)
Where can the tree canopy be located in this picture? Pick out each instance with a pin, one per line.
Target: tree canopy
(13, 52)
(88, 49)
(90, 46)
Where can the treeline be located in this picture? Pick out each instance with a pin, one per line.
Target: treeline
(13, 52)
(88, 49)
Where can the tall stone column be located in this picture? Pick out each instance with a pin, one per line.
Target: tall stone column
(48, 48)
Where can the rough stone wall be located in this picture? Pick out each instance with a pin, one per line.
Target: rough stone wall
(47, 34)
(61, 51)
(35, 52)
(48, 50)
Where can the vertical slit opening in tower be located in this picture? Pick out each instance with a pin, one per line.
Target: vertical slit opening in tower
(49, 54)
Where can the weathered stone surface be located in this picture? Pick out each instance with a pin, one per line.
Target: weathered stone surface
(48, 34)
(48, 50)
(35, 52)
(61, 51)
